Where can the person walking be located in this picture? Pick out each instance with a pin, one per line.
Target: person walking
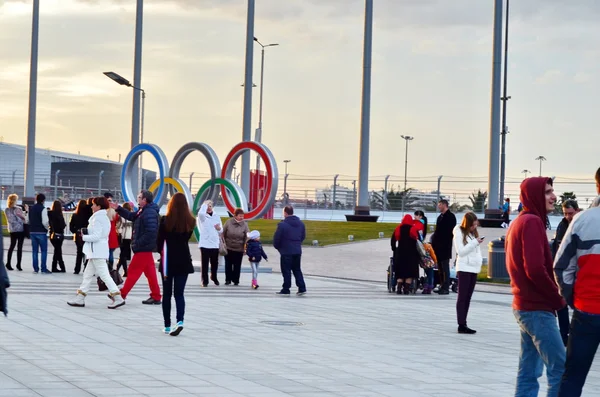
(535, 294)
(235, 233)
(255, 253)
(125, 229)
(467, 244)
(95, 237)
(174, 233)
(79, 220)
(4, 281)
(211, 229)
(15, 217)
(57, 236)
(39, 224)
(441, 241)
(288, 239)
(577, 271)
(143, 244)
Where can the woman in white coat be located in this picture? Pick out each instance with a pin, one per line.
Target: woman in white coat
(96, 251)
(211, 229)
(468, 265)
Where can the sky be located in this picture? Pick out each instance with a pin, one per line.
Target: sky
(431, 79)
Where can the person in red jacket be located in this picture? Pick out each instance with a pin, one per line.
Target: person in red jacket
(536, 296)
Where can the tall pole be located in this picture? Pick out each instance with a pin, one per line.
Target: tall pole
(100, 182)
(335, 178)
(137, 80)
(439, 185)
(505, 99)
(493, 177)
(406, 138)
(141, 168)
(363, 169)
(247, 123)
(192, 176)
(30, 150)
(285, 178)
(385, 192)
(56, 184)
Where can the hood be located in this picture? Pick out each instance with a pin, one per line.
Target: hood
(408, 220)
(293, 221)
(533, 196)
(253, 235)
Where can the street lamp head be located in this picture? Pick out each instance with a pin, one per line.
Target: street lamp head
(287, 161)
(272, 45)
(117, 78)
(407, 137)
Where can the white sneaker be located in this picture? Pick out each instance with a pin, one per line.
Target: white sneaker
(78, 301)
(118, 301)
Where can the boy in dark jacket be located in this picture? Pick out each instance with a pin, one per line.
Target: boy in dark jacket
(536, 297)
(255, 253)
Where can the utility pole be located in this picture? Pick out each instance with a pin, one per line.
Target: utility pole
(505, 99)
(406, 138)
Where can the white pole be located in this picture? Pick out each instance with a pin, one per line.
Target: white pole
(30, 150)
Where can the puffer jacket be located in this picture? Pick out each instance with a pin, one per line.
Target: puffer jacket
(209, 236)
(235, 234)
(145, 227)
(469, 259)
(96, 241)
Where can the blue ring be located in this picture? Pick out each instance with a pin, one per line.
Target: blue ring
(134, 154)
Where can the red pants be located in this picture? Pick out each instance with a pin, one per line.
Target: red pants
(142, 262)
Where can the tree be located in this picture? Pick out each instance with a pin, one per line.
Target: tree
(478, 200)
(564, 197)
(395, 199)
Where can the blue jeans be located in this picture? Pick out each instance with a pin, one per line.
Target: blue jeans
(179, 283)
(541, 344)
(291, 264)
(583, 344)
(111, 258)
(429, 274)
(39, 241)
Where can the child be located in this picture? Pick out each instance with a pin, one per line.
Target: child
(255, 253)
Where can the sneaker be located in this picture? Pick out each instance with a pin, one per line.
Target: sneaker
(46, 271)
(463, 329)
(215, 281)
(255, 286)
(78, 301)
(204, 285)
(151, 301)
(444, 292)
(178, 329)
(301, 293)
(167, 330)
(117, 301)
(227, 282)
(283, 293)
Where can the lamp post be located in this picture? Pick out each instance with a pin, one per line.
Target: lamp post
(33, 72)
(123, 81)
(504, 99)
(285, 178)
(406, 138)
(190, 185)
(541, 159)
(335, 178)
(56, 184)
(526, 173)
(247, 115)
(100, 182)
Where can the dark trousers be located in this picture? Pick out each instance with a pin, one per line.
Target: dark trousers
(57, 257)
(124, 255)
(79, 257)
(209, 255)
(173, 286)
(466, 286)
(291, 264)
(233, 266)
(16, 239)
(584, 339)
(563, 323)
(444, 271)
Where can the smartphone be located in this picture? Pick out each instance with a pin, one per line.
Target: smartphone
(482, 237)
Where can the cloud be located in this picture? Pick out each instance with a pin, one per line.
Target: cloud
(549, 77)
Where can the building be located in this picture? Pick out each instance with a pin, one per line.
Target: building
(344, 196)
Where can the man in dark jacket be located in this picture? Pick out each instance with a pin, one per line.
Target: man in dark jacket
(38, 231)
(288, 240)
(4, 281)
(441, 242)
(143, 244)
(536, 297)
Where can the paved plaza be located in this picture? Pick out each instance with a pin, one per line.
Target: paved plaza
(344, 338)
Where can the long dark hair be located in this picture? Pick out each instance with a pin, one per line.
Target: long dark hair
(81, 207)
(465, 227)
(57, 208)
(179, 218)
(422, 215)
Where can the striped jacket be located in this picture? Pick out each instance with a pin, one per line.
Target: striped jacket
(577, 262)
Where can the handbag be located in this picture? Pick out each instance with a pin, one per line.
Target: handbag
(57, 236)
(222, 246)
(116, 278)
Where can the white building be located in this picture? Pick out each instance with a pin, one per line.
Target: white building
(343, 195)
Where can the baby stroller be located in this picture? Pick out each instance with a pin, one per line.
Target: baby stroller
(391, 276)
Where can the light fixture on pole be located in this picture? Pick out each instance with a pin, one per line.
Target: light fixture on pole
(526, 173)
(406, 138)
(123, 81)
(285, 178)
(541, 159)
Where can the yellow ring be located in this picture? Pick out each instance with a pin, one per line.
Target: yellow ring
(168, 181)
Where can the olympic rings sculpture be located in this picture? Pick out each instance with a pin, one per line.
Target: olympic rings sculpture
(220, 177)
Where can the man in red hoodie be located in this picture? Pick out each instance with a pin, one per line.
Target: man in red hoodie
(536, 296)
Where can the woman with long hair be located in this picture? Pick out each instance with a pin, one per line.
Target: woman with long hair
(174, 233)
(468, 265)
(15, 217)
(125, 228)
(406, 255)
(79, 220)
(57, 227)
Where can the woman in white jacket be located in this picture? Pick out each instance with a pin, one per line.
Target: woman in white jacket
(468, 265)
(211, 229)
(96, 251)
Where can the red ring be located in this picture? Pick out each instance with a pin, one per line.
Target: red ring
(263, 155)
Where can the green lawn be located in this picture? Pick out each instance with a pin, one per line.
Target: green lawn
(3, 223)
(482, 276)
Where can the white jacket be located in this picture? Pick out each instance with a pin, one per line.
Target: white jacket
(469, 257)
(209, 236)
(96, 241)
(125, 228)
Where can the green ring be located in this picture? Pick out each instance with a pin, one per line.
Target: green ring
(217, 181)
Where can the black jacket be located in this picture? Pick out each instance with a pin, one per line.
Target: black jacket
(4, 281)
(57, 223)
(255, 251)
(179, 258)
(560, 234)
(441, 241)
(289, 236)
(145, 227)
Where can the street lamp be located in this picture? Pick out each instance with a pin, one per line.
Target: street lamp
(406, 138)
(525, 172)
(504, 99)
(541, 159)
(123, 81)
(285, 178)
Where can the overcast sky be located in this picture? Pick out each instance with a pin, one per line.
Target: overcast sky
(431, 79)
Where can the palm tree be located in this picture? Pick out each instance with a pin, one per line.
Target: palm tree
(526, 172)
(540, 159)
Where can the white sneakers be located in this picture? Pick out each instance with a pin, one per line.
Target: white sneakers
(79, 301)
(117, 301)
